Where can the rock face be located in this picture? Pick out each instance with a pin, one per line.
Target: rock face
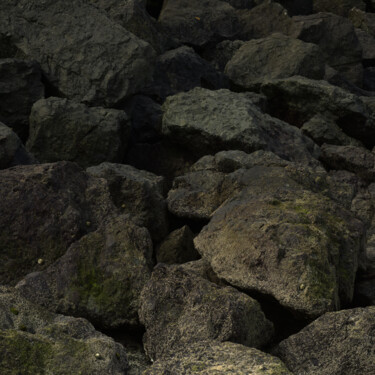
(34, 341)
(44, 208)
(84, 55)
(179, 308)
(336, 343)
(64, 130)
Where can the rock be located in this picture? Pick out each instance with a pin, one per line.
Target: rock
(61, 129)
(276, 56)
(217, 120)
(137, 193)
(339, 343)
(20, 88)
(44, 208)
(100, 277)
(196, 23)
(367, 43)
(84, 55)
(297, 99)
(215, 358)
(180, 70)
(369, 79)
(12, 151)
(339, 7)
(363, 20)
(179, 308)
(177, 247)
(308, 244)
(34, 341)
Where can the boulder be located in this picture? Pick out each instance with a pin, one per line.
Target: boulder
(44, 208)
(137, 193)
(61, 129)
(204, 121)
(34, 341)
(338, 343)
(100, 277)
(367, 42)
(363, 20)
(216, 358)
(20, 88)
(339, 7)
(84, 55)
(276, 56)
(179, 308)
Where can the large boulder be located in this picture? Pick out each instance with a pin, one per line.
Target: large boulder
(44, 208)
(34, 341)
(100, 277)
(205, 121)
(20, 88)
(339, 7)
(61, 129)
(179, 307)
(276, 56)
(339, 343)
(84, 55)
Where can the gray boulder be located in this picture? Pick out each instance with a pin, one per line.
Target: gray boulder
(276, 56)
(339, 343)
(20, 88)
(84, 55)
(137, 193)
(34, 341)
(339, 7)
(61, 129)
(179, 308)
(367, 42)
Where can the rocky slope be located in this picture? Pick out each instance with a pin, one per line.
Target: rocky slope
(187, 187)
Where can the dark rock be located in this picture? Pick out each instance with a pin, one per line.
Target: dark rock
(20, 88)
(44, 208)
(137, 193)
(65, 130)
(339, 7)
(363, 20)
(339, 343)
(100, 277)
(84, 55)
(367, 43)
(34, 341)
(369, 79)
(179, 308)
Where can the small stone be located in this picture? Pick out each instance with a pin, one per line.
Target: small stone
(40, 261)
(98, 356)
(123, 205)
(88, 223)
(302, 287)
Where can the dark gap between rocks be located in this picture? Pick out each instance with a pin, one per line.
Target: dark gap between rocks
(195, 225)
(154, 7)
(49, 89)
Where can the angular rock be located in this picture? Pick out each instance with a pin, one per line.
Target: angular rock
(339, 343)
(34, 341)
(363, 20)
(44, 208)
(177, 247)
(216, 358)
(367, 43)
(84, 55)
(339, 7)
(137, 193)
(20, 88)
(276, 56)
(179, 308)
(280, 239)
(61, 129)
(210, 121)
(100, 277)
(12, 151)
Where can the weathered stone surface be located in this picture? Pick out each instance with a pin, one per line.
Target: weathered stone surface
(100, 277)
(177, 247)
(339, 7)
(44, 208)
(363, 20)
(84, 55)
(137, 193)
(367, 43)
(297, 99)
(215, 120)
(61, 129)
(216, 358)
(12, 151)
(179, 308)
(20, 88)
(340, 343)
(34, 341)
(196, 23)
(276, 56)
(280, 239)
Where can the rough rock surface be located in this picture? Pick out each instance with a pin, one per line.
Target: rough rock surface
(34, 341)
(65, 130)
(179, 308)
(339, 7)
(339, 343)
